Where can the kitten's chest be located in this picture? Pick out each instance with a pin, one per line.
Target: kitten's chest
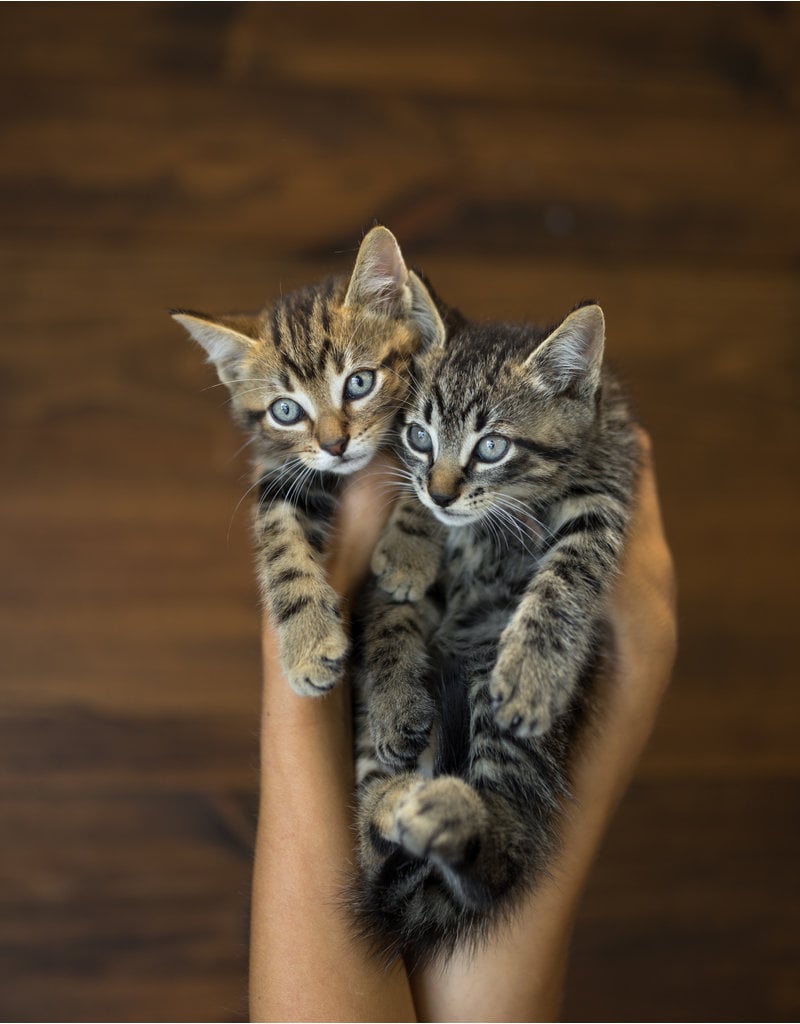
(485, 572)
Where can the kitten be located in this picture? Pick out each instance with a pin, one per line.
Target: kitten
(317, 379)
(480, 646)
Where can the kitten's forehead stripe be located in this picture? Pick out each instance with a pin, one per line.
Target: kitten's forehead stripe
(305, 305)
(298, 372)
(301, 330)
(289, 329)
(276, 331)
(441, 405)
(545, 451)
(390, 359)
(338, 360)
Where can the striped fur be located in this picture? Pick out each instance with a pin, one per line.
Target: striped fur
(295, 372)
(484, 625)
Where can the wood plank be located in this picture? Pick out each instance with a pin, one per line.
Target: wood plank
(527, 156)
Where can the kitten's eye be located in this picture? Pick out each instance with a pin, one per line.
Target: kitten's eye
(359, 384)
(419, 438)
(491, 448)
(287, 411)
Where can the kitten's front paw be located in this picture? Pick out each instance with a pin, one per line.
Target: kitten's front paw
(440, 818)
(405, 567)
(400, 721)
(526, 697)
(313, 653)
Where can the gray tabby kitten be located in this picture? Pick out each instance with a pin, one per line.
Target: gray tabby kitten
(317, 380)
(479, 645)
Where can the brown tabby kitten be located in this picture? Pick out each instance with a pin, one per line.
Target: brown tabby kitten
(484, 624)
(317, 380)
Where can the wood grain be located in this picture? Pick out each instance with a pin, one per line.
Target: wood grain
(527, 156)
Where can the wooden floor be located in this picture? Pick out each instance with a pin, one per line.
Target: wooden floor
(527, 156)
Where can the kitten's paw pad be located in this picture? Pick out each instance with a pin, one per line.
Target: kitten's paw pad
(401, 728)
(525, 701)
(513, 714)
(318, 667)
(405, 570)
(442, 819)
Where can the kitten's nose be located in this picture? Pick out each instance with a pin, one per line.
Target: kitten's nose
(442, 500)
(336, 447)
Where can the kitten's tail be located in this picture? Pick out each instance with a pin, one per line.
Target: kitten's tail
(408, 911)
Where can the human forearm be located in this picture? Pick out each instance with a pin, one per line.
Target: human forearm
(306, 960)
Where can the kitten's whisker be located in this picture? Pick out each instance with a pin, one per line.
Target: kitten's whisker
(413, 385)
(288, 472)
(521, 531)
(232, 398)
(506, 518)
(524, 510)
(397, 474)
(494, 531)
(241, 448)
(251, 488)
(303, 484)
(243, 380)
(297, 484)
(377, 505)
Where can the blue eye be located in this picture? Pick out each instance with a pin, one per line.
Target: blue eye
(359, 384)
(491, 448)
(418, 438)
(287, 411)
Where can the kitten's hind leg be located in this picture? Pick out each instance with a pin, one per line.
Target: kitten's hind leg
(441, 819)
(442, 822)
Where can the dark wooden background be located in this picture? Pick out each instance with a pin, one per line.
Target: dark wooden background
(527, 157)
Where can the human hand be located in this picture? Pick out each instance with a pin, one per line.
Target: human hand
(643, 648)
(363, 511)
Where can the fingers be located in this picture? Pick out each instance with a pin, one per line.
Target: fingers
(647, 553)
(365, 506)
(648, 510)
(643, 600)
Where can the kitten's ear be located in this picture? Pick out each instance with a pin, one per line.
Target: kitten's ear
(570, 357)
(227, 340)
(380, 276)
(425, 313)
(382, 282)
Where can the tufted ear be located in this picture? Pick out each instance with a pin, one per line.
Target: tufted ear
(380, 276)
(425, 313)
(571, 356)
(381, 282)
(227, 340)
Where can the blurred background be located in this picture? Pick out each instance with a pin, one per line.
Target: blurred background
(527, 156)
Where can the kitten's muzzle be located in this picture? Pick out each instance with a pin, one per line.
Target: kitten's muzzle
(441, 499)
(336, 447)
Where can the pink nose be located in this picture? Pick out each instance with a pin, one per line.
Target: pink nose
(336, 447)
